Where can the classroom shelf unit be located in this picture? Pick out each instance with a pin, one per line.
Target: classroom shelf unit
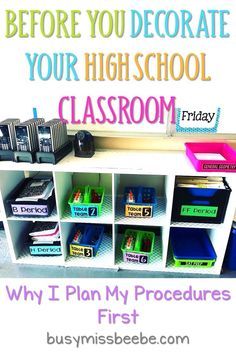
(113, 170)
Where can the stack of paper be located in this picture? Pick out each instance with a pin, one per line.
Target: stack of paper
(35, 189)
(45, 233)
(200, 182)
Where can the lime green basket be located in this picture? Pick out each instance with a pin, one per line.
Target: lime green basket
(135, 253)
(86, 208)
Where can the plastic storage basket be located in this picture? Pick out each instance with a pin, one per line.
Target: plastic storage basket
(226, 156)
(200, 205)
(85, 206)
(192, 248)
(41, 208)
(85, 240)
(137, 246)
(139, 202)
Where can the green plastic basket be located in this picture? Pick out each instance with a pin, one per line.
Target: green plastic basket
(136, 253)
(85, 207)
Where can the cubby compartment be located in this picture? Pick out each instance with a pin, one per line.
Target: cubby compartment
(149, 199)
(136, 257)
(12, 184)
(4, 250)
(192, 248)
(95, 248)
(69, 183)
(196, 250)
(21, 241)
(1, 211)
(200, 199)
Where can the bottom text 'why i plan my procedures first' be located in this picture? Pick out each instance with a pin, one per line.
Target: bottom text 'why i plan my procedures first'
(72, 293)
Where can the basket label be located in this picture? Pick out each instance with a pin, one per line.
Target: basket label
(194, 263)
(135, 258)
(199, 210)
(138, 211)
(27, 209)
(45, 250)
(219, 166)
(85, 211)
(83, 251)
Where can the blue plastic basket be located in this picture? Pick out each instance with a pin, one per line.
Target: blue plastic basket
(192, 247)
(230, 256)
(143, 203)
(203, 192)
(89, 241)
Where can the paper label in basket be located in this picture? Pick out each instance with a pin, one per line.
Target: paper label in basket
(85, 211)
(45, 250)
(83, 251)
(202, 211)
(138, 211)
(27, 209)
(194, 263)
(219, 166)
(135, 258)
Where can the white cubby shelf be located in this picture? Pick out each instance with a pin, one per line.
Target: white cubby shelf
(114, 170)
